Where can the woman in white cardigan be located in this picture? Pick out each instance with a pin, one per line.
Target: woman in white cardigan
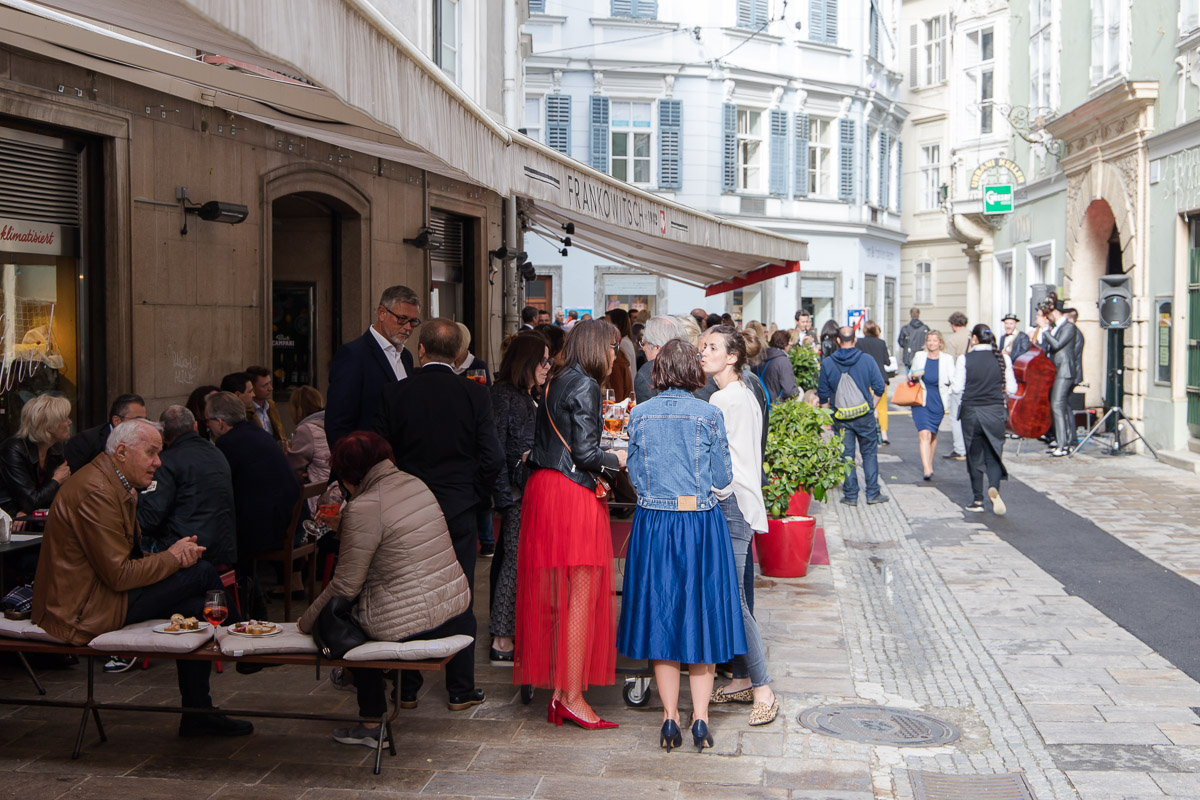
(935, 368)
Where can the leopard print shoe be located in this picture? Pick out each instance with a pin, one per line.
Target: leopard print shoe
(762, 714)
(744, 696)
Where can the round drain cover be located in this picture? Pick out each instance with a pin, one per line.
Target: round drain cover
(879, 725)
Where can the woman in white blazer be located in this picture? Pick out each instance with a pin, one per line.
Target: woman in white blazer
(935, 368)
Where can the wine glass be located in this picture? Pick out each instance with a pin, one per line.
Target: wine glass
(215, 609)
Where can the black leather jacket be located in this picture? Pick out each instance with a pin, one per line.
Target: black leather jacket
(573, 401)
(25, 491)
(1059, 344)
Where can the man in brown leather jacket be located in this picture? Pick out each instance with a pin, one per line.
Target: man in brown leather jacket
(93, 578)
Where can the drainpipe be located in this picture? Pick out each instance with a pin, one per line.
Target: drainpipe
(512, 285)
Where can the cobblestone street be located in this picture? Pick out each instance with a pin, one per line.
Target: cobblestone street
(922, 608)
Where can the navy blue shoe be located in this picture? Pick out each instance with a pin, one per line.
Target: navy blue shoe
(701, 737)
(671, 735)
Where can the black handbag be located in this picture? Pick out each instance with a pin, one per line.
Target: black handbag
(336, 632)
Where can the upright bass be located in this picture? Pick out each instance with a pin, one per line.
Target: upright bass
(1029, 414)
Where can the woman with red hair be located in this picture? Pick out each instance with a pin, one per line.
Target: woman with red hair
(397, 561)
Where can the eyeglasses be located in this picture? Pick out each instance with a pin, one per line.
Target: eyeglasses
(545, 362)
(402, 320)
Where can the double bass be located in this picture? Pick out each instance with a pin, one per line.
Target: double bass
(1029, 414)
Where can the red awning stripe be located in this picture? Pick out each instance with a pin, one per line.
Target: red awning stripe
(754, 276)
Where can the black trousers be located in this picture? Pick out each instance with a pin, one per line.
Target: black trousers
(181, 593)
(460, 671)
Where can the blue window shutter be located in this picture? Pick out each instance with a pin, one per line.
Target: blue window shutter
(885, 169)
(558, 122)
(598, 148)
(729, 147)
(670, 156)
(779, 152)
(760, 13)
(646, 9)
(868, 134)
(874, 23)
(800, 179)
(752, 13)
(816, 20)
(847, 146)
(899, 176)
(537, 6)
(831, 20)
(622, 8)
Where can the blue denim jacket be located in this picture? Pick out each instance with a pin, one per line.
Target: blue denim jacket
(677, 451)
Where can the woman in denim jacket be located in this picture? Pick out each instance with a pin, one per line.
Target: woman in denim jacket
(680, 601)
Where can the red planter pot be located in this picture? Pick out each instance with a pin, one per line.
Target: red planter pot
(786, 547)
(798, 504)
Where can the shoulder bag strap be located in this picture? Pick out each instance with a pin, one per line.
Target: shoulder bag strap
(550, 416)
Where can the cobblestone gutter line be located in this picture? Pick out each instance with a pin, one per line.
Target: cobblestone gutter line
(909, 637)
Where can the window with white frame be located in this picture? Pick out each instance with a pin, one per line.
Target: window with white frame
(1043, 58)
(1110, 39)
(981, 60)
(931, 177)
(632, 134)
(446, 44)
(751, 151)
(533, 118)
(923, 283)
(1004, 283)
(927, 52)
(822, 164)
(1189, 16)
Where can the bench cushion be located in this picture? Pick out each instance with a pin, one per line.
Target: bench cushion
(290, 641)
(416, 650)
(141, 638)
(24, 629)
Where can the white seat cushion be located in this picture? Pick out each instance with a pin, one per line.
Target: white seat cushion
(141, 638)
(290, 641)
(417, 650)
(24, 629)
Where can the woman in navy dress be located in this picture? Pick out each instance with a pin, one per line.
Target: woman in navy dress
(680, 600)
(935, 368)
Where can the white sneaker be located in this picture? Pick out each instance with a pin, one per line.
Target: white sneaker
(998, 507)
(360, 734)
(115, 664)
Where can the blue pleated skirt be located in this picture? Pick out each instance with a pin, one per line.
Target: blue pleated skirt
(680, 599)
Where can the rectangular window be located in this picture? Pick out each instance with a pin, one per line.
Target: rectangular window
(1004, 281)
(1043, 60)
(751, 155)
(1189, 16)
(931, 177)
(558, 122)
(823, 21)
(923, 283)
(1110, 39)
(533, 118)
(446, 37)
(821, 164)
(935, 51)
(645, 9)
(981, 72)
(632, 132)
(752, 14)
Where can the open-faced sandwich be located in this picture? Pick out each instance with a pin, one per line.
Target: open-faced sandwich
(255, 627)
(181, 623)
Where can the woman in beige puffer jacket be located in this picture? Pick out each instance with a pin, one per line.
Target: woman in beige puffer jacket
(396, 559)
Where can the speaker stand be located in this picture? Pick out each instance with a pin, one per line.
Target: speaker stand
(1116, 413)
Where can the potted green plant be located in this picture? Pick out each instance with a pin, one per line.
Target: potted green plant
(801, 459)
(806, 365)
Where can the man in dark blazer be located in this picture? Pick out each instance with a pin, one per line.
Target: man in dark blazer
(1013, 341)
(361, 368)
(265, 489)
(86, 445)
(442, 430)
(1059, 344)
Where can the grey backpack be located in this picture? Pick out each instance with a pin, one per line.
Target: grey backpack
(848, 400)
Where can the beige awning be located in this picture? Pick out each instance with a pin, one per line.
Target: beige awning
(369, 89)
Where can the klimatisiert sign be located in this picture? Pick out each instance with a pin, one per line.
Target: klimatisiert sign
(998, 199)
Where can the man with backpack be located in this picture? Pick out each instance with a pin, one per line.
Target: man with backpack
(848, 379)
(912, 337)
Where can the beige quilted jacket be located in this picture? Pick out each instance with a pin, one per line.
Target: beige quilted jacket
(396, 558)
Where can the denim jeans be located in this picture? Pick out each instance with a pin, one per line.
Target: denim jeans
(864, 432)
(754, 663)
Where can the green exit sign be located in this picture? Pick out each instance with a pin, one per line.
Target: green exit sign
(998, 199)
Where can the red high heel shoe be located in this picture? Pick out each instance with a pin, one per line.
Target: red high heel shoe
(551, 712)
(561, 712)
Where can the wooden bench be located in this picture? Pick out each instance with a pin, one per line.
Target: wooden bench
(209, 652)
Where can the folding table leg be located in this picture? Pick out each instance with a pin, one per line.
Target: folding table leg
(32, 675)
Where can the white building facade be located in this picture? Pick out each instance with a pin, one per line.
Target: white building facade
(781, 115)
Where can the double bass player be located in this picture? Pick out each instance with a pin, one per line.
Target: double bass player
(1058, 342)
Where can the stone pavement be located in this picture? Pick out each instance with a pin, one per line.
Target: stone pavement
(921, 608)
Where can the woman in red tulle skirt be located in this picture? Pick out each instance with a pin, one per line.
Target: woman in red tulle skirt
(566, 601)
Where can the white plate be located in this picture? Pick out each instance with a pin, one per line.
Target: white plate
(278, 630)
(163, 629)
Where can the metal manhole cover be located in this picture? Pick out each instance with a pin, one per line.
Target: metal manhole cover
(933, 786)
(879, 725)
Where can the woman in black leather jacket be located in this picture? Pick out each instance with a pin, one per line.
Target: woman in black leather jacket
(32, 464)
(566, 621)
(515, 398)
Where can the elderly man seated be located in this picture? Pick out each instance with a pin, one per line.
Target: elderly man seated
(93, 577)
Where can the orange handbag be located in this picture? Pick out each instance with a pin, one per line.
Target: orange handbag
(909, 394)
